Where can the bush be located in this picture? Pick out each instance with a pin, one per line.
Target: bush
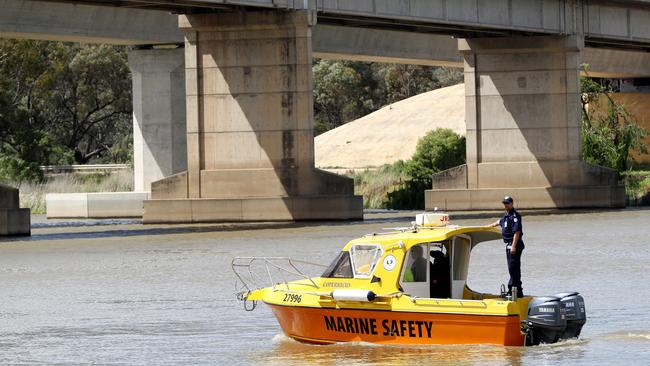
(409, 196)
(401, 185)
(637, 187)
(610, 133)
(16, 171)
(438, 150)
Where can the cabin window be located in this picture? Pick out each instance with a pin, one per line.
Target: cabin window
(365, 258)
(426, 272)
(340, 267)
(417, 263)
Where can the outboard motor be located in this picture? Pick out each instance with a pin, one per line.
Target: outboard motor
(576, 314)
(546, 320)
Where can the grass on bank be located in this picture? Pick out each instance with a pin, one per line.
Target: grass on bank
(32, 195)
(376, 184)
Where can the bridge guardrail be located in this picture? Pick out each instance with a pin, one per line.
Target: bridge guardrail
(83, 169)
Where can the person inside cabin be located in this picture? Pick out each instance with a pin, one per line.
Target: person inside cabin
(440, 285)
(512, 232)
(417, 271)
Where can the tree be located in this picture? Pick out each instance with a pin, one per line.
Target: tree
(88, 100)
(339, 96)
(62, 103)
(24, 143)
(405, 81)
(610, 133)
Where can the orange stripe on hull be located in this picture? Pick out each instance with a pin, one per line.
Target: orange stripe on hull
(322, 326)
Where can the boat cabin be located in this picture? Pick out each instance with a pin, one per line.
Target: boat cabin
(423, 261)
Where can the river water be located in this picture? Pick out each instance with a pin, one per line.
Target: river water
(123, 293)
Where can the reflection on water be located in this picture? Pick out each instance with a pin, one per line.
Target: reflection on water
(123, 293)
(289, 351)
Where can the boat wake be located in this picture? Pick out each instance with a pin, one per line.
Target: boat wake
(564, 343)
(633, 335)
(281, 337)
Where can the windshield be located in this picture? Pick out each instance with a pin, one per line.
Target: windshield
(365, 258)
(340, 267)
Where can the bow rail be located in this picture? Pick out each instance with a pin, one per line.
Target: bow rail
(254, 273)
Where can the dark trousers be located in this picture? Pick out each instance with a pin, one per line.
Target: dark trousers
(514, 268)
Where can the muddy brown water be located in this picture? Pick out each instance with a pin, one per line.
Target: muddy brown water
(117, 292)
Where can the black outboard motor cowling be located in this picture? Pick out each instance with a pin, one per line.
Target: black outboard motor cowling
(546, 320)
(576, 314)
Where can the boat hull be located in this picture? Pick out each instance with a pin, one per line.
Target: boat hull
(331, 325)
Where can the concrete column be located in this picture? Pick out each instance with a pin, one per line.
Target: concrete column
(13, 219)
(250, 126)
(158, 114)
(523, 130)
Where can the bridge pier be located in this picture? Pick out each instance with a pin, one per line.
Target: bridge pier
(159, 148)
(14, 221)
(250, 152)
(523, 130)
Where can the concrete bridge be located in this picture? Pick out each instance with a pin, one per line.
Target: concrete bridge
(223, 109)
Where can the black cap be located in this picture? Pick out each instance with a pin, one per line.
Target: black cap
(507, 199)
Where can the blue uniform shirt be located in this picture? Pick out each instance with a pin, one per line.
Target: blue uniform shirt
(510, 224)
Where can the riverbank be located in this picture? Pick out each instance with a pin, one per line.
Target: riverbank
(32, 194)
(382, 188)
(386, 187)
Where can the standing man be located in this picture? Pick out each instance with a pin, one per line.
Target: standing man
(511, 229)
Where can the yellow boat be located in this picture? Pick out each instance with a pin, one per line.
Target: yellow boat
(406, 286)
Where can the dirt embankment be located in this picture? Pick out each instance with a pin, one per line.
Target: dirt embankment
(391, 133)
